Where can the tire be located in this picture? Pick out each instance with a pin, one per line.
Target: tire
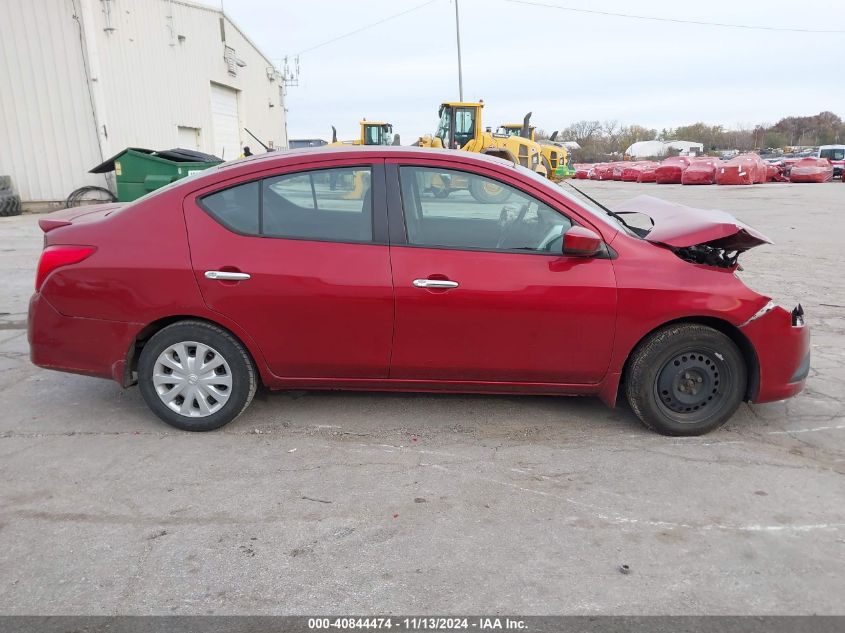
(5, 182)
(223, 403)
(545, 162)
(487, 192)
(685, 379)
(10, 203)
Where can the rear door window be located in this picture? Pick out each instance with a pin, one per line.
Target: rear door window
(326, 204)
(236, 208)
(329, 204)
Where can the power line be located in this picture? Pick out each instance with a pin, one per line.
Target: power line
(674, 20)
(368, 26)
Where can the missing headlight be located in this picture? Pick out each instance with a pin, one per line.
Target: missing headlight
(708, 255)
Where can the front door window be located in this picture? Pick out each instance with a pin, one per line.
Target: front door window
(453, 209)
(464, 126)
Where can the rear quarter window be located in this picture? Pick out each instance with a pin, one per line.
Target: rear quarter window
(236, 208)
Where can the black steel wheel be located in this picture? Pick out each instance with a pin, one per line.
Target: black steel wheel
(691, 381)
(686, 379)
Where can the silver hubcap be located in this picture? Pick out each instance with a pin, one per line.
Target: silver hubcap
(192, 379)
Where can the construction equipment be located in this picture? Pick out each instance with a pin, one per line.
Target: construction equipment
(555, 156)
(460, 128)
(372, 133)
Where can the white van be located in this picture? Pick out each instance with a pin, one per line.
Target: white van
(835, 154)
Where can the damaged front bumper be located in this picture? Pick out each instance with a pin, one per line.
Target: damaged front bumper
(781, 342)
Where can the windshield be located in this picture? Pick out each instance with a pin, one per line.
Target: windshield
(833, 153)
(464, 126)
(378, 134)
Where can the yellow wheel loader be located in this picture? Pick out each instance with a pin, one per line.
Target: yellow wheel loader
(554, 156)
(460, 128)
(372, 133)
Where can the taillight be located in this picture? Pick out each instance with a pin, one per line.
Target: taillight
(60, 255)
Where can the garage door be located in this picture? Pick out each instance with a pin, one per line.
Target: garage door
(225, 126)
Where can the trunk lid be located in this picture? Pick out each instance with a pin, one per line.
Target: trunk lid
(679, 226)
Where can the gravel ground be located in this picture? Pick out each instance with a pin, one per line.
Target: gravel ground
(374, 503)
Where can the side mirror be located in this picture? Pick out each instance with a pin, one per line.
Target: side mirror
(579, 241)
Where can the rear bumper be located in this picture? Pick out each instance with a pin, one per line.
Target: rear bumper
(82, 346)
(783, 354)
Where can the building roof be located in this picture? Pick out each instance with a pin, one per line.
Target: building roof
(204, 7)
(659, 148)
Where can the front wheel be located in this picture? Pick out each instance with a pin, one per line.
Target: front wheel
(686, 379)
(196, 376)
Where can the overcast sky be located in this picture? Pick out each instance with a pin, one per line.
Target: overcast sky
(561, 65)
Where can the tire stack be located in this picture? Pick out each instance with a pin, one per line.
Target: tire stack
(10, 202)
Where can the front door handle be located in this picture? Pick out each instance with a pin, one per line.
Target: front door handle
(435, 283)
(225, 275)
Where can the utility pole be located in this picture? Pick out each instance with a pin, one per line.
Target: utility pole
(460, 71)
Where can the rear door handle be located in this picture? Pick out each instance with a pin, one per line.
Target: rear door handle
(435, 283)
(224, 275)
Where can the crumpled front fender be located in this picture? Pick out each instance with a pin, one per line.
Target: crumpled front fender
(783, 353)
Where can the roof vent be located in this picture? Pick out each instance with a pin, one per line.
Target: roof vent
(231, 60)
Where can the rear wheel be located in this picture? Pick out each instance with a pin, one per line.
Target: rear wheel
(196, 376)
(686, 379)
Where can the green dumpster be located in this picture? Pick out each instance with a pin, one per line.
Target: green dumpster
(139, 171)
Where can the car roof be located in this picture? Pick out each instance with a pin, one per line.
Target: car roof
(280, 158)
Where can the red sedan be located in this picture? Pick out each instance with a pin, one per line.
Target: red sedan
(341, 269)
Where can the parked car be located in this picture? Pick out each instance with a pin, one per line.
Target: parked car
(835, 154)
(340, 269)
(811, 170)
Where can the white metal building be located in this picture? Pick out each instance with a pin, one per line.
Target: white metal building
(647, 149)
(80, 80)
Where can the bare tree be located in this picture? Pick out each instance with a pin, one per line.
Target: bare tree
(582, 132)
